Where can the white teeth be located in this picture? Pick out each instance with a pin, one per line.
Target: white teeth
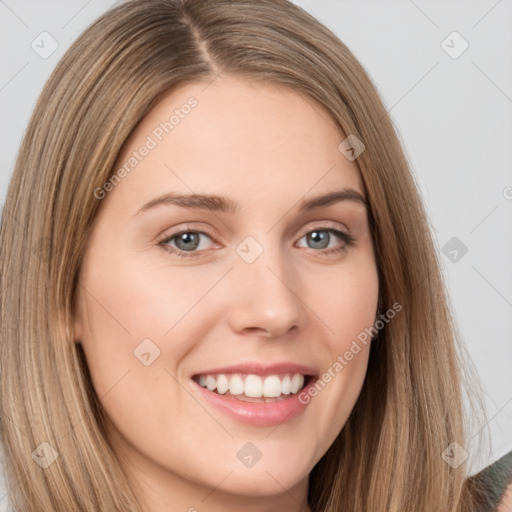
(272, 386)
(222, 384)
(211, 382)
(236, 385)
(297, 382)
(253, 386)
(286, 385)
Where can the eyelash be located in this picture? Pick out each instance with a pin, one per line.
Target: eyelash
(348, 240)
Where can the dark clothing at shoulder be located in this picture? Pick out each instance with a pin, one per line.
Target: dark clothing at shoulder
(490, 484)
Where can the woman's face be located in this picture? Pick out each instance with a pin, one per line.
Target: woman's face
(251, 295)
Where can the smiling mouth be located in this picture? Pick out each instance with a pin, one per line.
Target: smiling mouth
(254, 388)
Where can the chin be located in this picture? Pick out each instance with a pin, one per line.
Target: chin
(267, 482)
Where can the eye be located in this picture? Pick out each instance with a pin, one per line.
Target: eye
(188, 242)
(320, 237)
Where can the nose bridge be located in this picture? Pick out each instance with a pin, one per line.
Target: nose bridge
(265, 289)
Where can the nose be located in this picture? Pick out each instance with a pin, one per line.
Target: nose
(265, 296)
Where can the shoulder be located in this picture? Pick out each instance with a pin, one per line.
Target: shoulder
(505, 503)
(492, 487)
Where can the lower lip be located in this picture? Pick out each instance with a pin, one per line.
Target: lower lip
(254, 413)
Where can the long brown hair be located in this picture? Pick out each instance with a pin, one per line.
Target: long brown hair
(388, 457)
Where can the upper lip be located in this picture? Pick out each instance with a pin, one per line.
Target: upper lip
(258, 368)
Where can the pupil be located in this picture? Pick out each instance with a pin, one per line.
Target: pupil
(318, 237)
(186, 238)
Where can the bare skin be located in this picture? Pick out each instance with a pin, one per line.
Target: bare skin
(267, 148)
(505, 504)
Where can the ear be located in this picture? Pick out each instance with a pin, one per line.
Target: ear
(74, 333)
(77, 337)
(74, 326)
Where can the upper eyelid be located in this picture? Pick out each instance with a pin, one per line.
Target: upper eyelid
(315, 225)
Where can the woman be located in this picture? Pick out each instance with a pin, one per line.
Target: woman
(230, 296)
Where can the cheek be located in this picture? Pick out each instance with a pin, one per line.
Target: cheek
(140, 322)
(146, 406)
(130, 365)
(129, 301)
(353, 318)
(349, 310)
(349, 304)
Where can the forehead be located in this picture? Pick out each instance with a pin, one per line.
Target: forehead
(251, 140)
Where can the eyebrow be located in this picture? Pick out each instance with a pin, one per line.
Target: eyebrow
(223, 204)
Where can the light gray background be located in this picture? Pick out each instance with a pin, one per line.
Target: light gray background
(453, 116)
